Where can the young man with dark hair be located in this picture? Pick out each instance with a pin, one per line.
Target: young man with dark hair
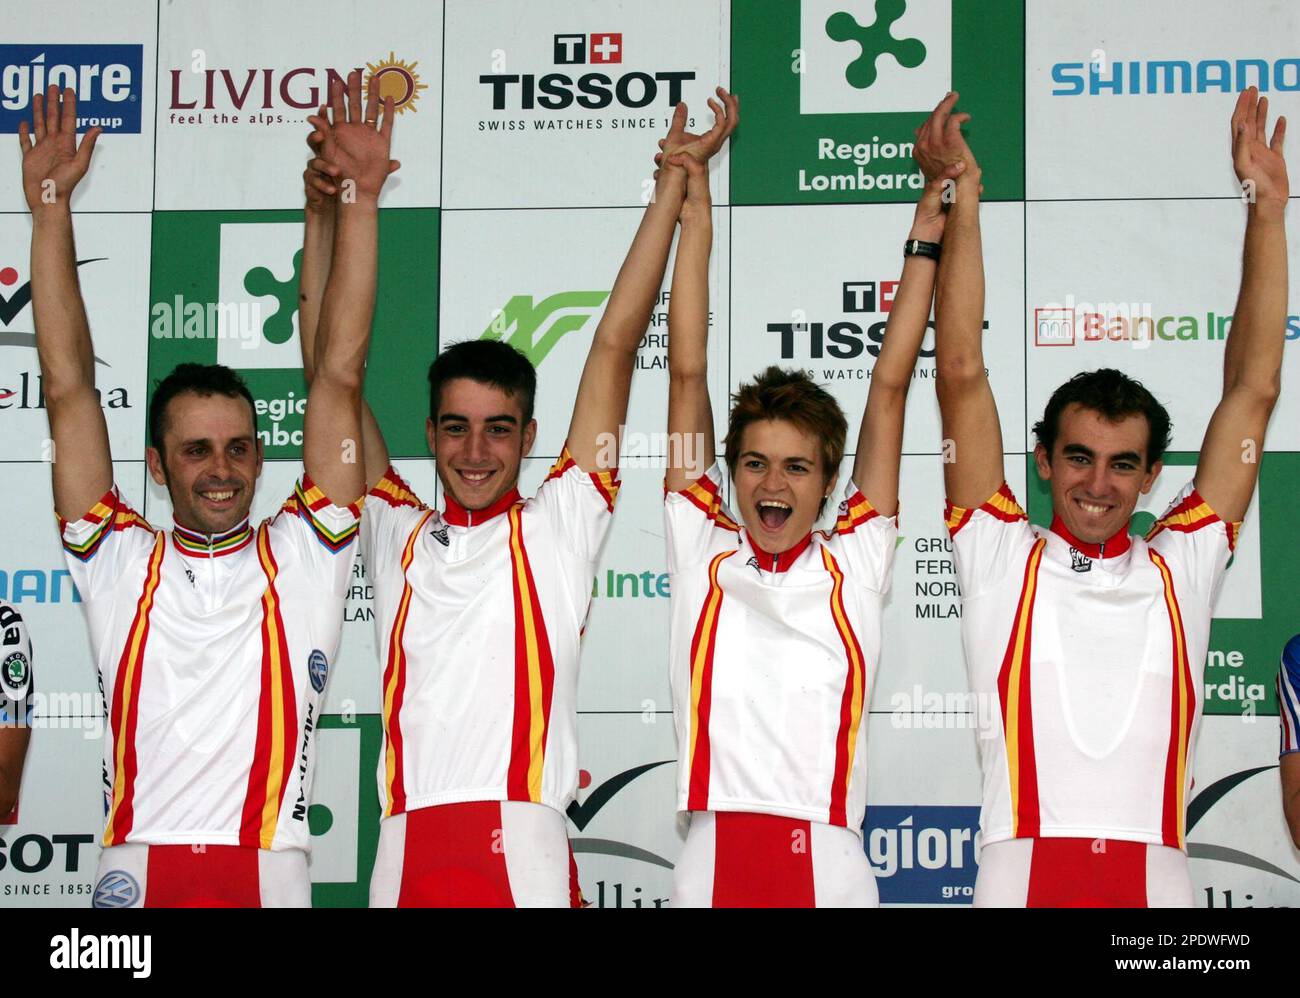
(480, 607)
(1092, 642)
(212, 640)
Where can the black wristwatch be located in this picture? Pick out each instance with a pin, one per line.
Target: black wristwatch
(918, 247)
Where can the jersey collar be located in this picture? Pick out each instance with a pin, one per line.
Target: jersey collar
(1113, 547)
(200, 545)
(458, 516)
(779, 562)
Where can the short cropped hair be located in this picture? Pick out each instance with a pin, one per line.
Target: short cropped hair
(489, 362)
(790, 395)
(198, 379)
(1116, 396)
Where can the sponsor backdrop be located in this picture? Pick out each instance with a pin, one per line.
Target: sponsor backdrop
(526, 130)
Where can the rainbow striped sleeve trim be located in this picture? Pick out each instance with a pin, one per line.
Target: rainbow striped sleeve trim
(308, 501)
(110, 513)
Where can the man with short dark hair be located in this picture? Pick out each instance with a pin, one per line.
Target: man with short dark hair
(480, 607)
(213, 640)
(1090, 641)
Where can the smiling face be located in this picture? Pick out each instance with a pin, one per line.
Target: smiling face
(1097, 471)
(209, 462)
(479, 441)
(780, 483)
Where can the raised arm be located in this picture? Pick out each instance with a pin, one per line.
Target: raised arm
(972, 445)
(1252, 361)
(880, 439)
(690, 417)
(52, 166)
(601, 405)
(320, 181)
(357, 149)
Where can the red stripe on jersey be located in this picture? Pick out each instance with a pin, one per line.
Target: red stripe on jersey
(855, 695)
(1087, 873)
(392, 489)
(857, 510)
(562, 464)
(454, 857)
(956, 517)
(277, 715)
(704, 495)
(607, 485)
(534, 675)
(1015, 693)
(702, 649)
(1191, 515)
(125, 714)
(395, 685)
(762, 861)
(576, 900)
(202, 877)
(1182, 709)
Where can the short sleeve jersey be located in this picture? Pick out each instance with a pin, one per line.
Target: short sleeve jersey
(773, 658)
(1089, 658)
(212, 654)
(479, 615)
(16, 679)
(1288, 697)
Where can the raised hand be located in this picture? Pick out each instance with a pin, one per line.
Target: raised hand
(726, 116)
(54, 155)
(353, 147)
(939, 142)
(318, 178)
(931, 215)
(1257, 161)
(698, 200)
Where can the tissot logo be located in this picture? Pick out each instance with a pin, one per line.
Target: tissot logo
(576, 49)
(848, 338)
(556, 91)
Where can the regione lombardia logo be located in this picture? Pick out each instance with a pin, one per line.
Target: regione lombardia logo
(259, 285)
(873, 56)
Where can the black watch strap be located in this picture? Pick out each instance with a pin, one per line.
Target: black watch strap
(918, 247)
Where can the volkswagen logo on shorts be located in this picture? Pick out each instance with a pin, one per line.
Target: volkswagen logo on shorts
(317, 666)
(116, 889)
